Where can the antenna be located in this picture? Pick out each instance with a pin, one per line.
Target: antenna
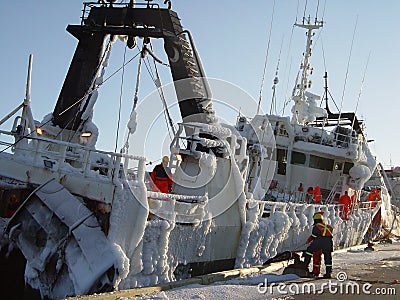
(28, 81)
(27, 118)
(326, 92)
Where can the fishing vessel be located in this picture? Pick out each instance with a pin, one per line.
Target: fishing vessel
(81, 220)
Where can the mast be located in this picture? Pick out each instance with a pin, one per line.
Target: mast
(299, 91)
(27, 118)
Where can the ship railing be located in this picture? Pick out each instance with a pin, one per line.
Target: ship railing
(293, 197)
(367, 205)
(177, 197)
(65, 157)
(181, 208)
(324, 137)
(268, 207)
(3, 142)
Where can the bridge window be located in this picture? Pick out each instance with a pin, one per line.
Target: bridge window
(322, 163)
(347, 167)
(281, 157)
(298, 158)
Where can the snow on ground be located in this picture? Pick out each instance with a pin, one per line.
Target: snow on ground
(248, 287)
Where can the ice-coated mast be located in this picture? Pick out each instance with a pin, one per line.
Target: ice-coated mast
(300, 89)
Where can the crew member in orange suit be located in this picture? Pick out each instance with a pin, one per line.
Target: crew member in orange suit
(344, 210)
(374, 196)
(161, 177)
(317, 256)
(317, 194)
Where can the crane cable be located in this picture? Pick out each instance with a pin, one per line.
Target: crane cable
(157, 82)
(131, 130)
(162, 96)
(266, 60)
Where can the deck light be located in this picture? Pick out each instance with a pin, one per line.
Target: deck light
(86, 134)
(39, 130)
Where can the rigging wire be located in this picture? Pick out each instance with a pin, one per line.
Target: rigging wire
(297, 10)
(120, 100)
(323, 11)
(266, 59)
(101, 61)
(304, 13)
(347, 71)
(125, 148)
(323, 54)
(96, 88)
(316, 13)
(361, 88)
(276, 80)
(325, 69)
(164, 102)
(157, 82)
(287, 75)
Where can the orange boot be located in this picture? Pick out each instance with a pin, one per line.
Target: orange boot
(317, 257)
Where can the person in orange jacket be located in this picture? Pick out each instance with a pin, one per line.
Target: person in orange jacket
(161, 177)
(322, 240)
(317, 194)
(317, 256)
(374, 196)
(344, 209)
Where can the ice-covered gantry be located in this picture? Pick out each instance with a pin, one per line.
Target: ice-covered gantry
(192, 89)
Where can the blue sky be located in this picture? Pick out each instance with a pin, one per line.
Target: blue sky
(231, 37)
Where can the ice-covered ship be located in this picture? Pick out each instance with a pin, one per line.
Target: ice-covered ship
(81, 220)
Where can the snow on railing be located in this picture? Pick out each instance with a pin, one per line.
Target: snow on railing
(292, 197)
(60, 156)
(272, 206)
(321, 136)
(180, 208)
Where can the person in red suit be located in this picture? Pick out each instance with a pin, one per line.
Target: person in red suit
(345, 200)
(317, 194)
(161, 177)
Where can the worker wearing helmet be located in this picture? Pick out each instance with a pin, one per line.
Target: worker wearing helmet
(161, 177)
(317, 256)
(321, 241)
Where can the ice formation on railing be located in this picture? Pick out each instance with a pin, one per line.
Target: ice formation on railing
(288, 227)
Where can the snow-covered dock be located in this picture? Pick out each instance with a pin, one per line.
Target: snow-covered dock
(376, 271)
